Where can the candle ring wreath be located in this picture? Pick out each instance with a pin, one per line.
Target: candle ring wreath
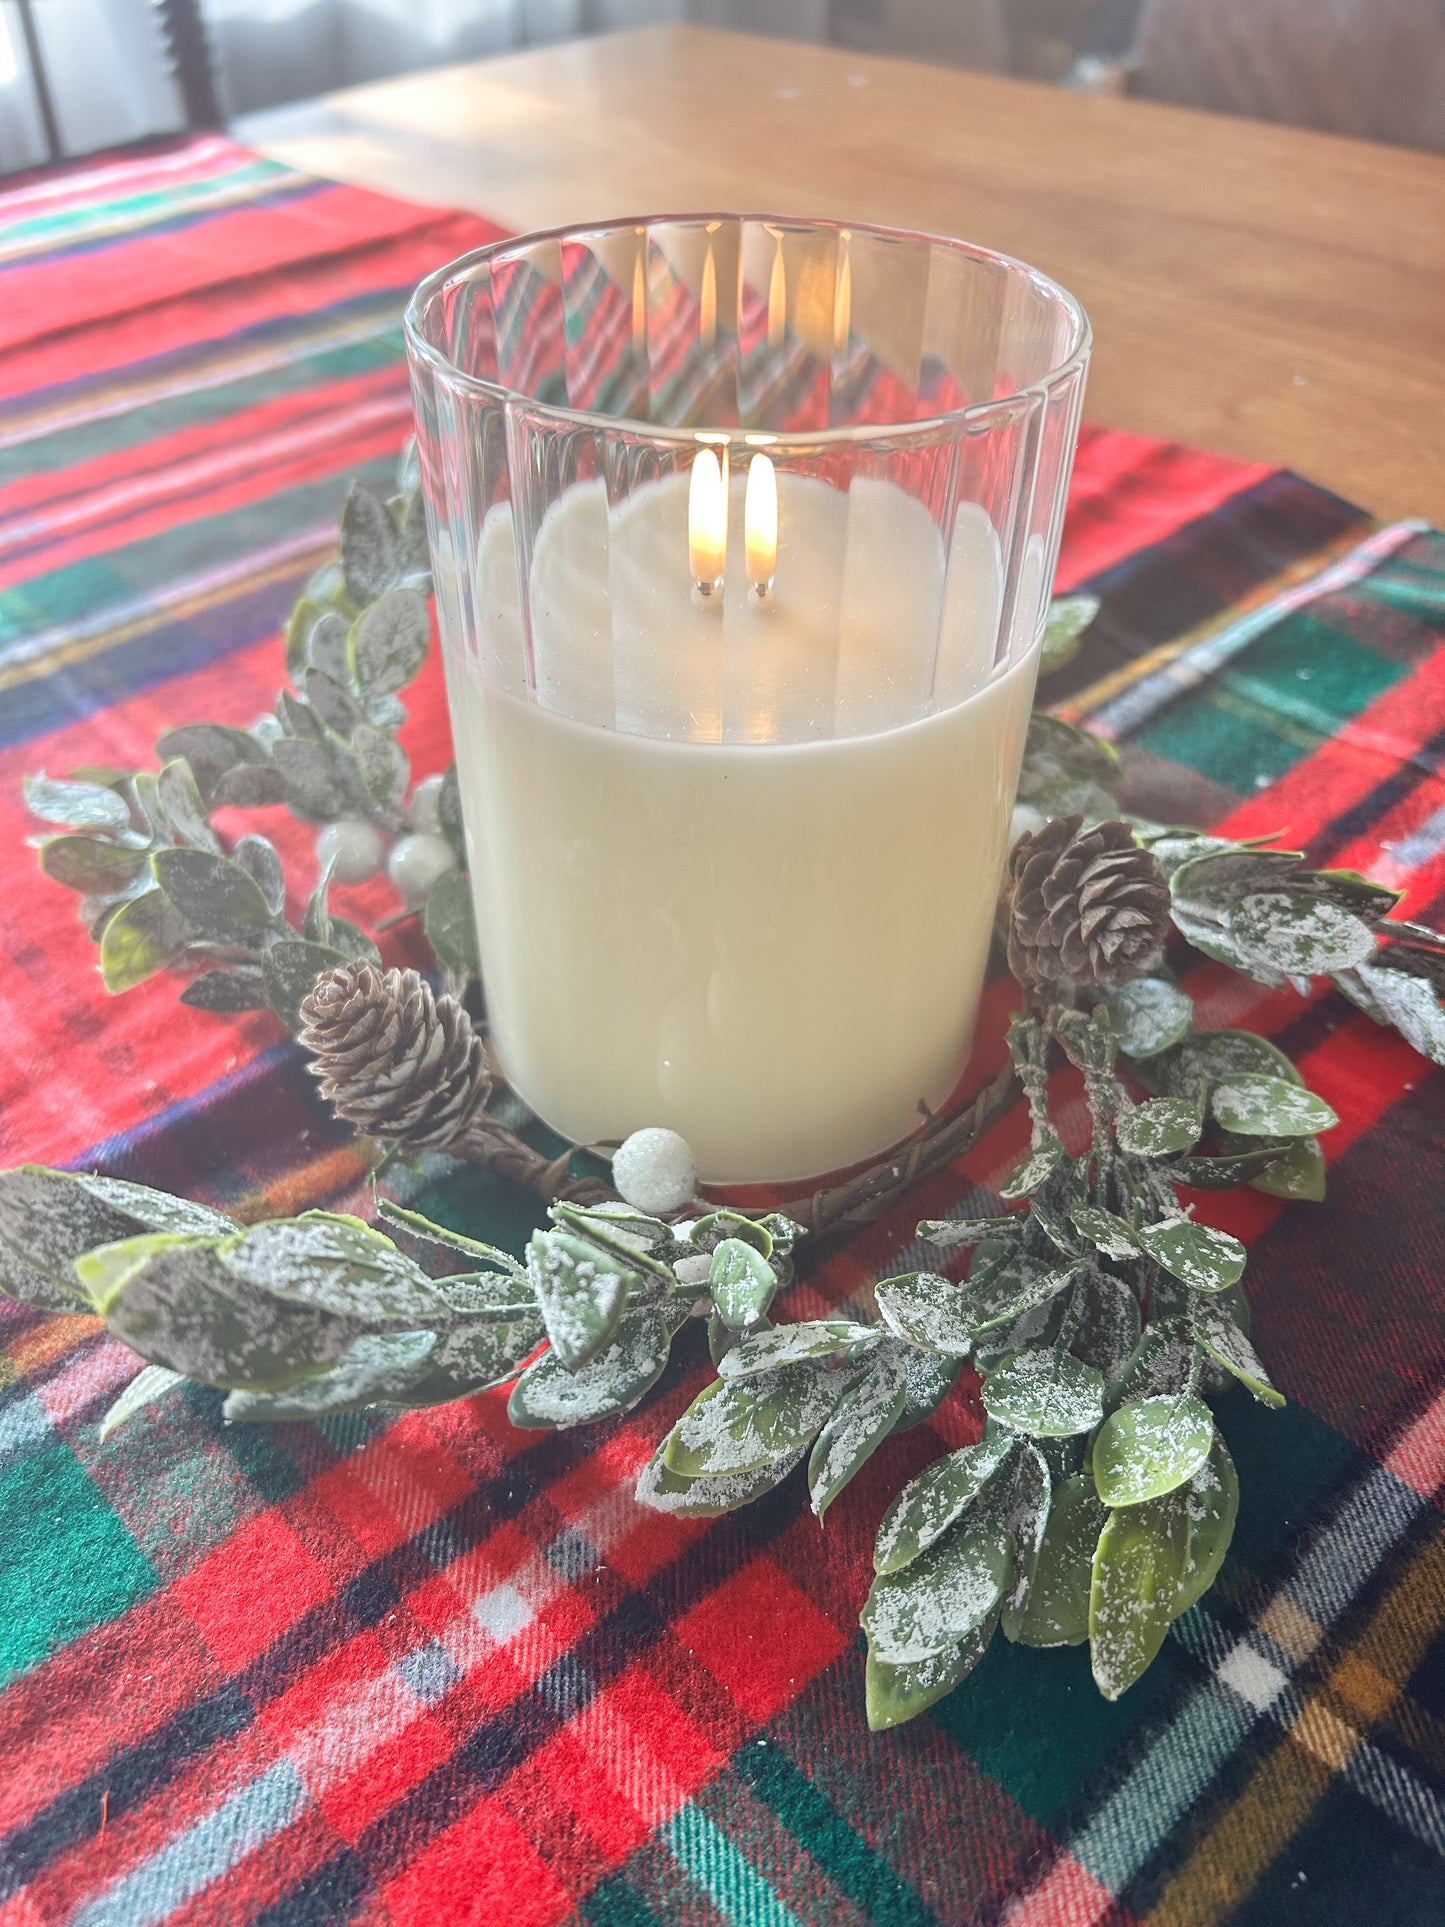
(1099, 1316)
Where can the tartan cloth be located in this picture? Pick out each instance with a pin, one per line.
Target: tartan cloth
(432, 1669)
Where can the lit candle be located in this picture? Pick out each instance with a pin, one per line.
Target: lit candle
(737, 876)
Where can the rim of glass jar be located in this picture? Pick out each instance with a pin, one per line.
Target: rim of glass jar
(425, 351)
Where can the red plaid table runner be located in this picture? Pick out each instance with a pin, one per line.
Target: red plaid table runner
(431, 1669)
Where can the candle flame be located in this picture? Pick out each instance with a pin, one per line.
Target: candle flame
(707, 520)
(777, 299)
(707, 306)
(760, 522)
(843, 297)
(639, 308)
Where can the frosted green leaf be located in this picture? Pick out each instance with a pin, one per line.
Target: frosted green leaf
(104, 1271)
(157, 1210)
(1108, 1323)
(708, 1498)
(384, 767)
(1196, 1254)
(211, 749)
(180, 798)
(1408, 1002)
(924, 1309)
(1298, 1172)
(1218, 881)
(474, 1356)
(337, 1264)
(618, 1221)
(929, 1504)
(1223, 1173)
(1006, 1281)
(1107, 1233)
(77, 806)
(1212, 1501)
(1139, 1565)
(91, 864)
(257, 856)
(1056, 1611)
(389, 642)
(1147, 1449)
(450, 926)
(316, 922)
(548, 1395)
(1270, 1107)
(330, 698)
(1215, 939)
(147, 1386)
(140, 939)
(1068, 618)
(929, 1378)
(1067, 768)
(742, 1283)
(1035, 1170)
(290, 969)
(895, 1694)
(785, 1344)
(1302, 935)
(1056, 1228)
(415, 557)
(370, 550)
(1228, 1346)
(1149, 1015)
(581, 1292)
(250, 786)
(859, 1426)
(379, 1369)
(311, 776)
(181, 1306)
(708, 1232)
(945, 1232)
(49, 1219)
(220, 900)
(945, 1594)
(1158, 1363)
(1049, 1394)
(1159, 1126)
(444, 1239)
(449, 811)
(1209, 1057)
(736, 1425)
(486, 1297)
(1025, 1516)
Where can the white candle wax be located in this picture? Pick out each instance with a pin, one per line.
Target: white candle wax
(706, 898)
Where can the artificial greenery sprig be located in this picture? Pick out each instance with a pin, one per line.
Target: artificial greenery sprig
(160, 886)
(1098, 1316)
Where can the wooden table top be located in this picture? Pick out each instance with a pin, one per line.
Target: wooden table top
(1266, 291)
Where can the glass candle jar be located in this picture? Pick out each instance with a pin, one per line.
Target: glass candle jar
(743, 533)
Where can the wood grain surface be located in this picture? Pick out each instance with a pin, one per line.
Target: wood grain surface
(1262, 290)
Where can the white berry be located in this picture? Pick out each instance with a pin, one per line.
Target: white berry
(1024, 822)
(424, 811)
(357, 847)
(654, 1170)
(415, 863)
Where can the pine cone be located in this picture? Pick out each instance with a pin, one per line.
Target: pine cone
(1090, 910)
(393, 1059)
